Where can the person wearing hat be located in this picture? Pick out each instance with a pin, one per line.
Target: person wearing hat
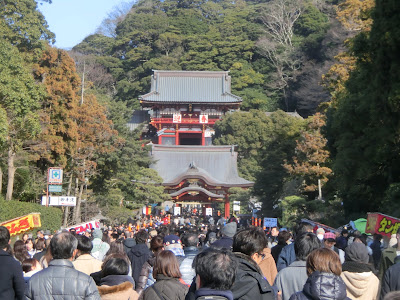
(329, 241)
(361, 282)
(174, 244)
(100, 248)
(226, 241)
(320, 233)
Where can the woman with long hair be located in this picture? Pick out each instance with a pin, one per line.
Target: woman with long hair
(324, 282)
(20, 251)
(168, 285)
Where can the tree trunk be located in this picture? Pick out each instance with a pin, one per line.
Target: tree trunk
(11, 173)
(66, 209)
(1, 180)
(78, 216)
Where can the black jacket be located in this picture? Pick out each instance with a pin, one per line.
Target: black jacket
(138, 255)
(322, 286)
(12, 284)
(128, 244)
(391, 280)
(249, 283)
(224, 242)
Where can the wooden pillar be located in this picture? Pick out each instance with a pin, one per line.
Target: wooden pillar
(177, 135)
(203, 139)
(227, 208)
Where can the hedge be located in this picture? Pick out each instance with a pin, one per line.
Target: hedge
(51, 217)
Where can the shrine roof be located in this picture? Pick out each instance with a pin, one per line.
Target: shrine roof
(190, 87)
(216, 165)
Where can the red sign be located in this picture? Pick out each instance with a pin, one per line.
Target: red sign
(382, 224)
(203, 119)
(22, 224)
(177, 118)
(85, 226)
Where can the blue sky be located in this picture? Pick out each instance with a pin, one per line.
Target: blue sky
(73, 20)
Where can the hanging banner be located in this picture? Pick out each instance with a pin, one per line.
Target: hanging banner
(22, 224)
(177, 210)
(176, 118)
(79, 228)
(382, 224)
(203, 119)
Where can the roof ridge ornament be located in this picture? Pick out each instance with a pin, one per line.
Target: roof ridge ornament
(192, 165)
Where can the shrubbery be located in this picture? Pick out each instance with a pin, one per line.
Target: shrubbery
(51, 217)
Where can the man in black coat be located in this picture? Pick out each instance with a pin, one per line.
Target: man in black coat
(391, 279)
(12, 284)
(139, 253)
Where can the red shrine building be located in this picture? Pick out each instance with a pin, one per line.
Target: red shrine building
(183, 107)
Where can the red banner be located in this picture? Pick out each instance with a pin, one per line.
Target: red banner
(382, 224)
(79, 228)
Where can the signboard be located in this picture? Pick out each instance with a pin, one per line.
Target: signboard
(55, 175)
(177, 210)
(236, 205)
(55, 188)
(60, 201)
(270, 222)
(22, 224)
(209, 133)
(203, 119)
(176, 118)
(84, 226)
(208, 211)
(382, 224)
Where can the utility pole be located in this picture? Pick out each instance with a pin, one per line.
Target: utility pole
(83, 81)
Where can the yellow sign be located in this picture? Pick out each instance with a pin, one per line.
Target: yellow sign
(22, 224)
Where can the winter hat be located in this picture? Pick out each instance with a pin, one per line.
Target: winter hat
(357, 252)
(320, 231)
(171, 239)
(97, 234)
(329, 236)
(229, 229)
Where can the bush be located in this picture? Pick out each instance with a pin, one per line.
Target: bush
(50, 217)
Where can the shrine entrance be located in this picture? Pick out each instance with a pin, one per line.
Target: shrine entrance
(193, 139)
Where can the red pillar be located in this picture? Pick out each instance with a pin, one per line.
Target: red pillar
(227, 207)
(177, 137)
(159, 139)
(203, 138)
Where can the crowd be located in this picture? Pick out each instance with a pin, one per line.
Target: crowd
(192, 258)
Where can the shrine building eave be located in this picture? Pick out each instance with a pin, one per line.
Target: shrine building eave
(215, 165)
(189, 190)
(194, 87)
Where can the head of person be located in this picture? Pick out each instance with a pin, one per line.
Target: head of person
(30, 264)
(114, 237)
(25, 236)
(274, 231)
(304, 244)
(190, 240)
(345, 233)
(229, 229)
(116, 247)
(251, 242)
(88, 233)
(4, 237)
(172, 241)
(215, 269)
(329, 240)
(85, 245)
(320, 233)
(141, 237)
(357, 252)
(395, 295)
(40, 244)
(303, 227)
(166, 264)
(20, 251)
(72, 231)
(323, 260)
(115, 266)
(157, 244)
(63, 246)
(29, 244)
(283, 237)
(40, 234)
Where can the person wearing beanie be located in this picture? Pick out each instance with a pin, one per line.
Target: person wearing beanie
(174, 244)
(320, 233)
(228, 231)
(361, 282)
(329, 242)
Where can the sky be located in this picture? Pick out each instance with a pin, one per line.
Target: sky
(73, 20)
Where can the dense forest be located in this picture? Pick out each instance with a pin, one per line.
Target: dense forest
(333, 62)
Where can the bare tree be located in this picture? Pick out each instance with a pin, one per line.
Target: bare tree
(276, 45)
(114, 17)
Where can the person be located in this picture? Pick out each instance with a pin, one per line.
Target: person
(115, 282)
(84, 261)
(139, 253)
(12, 284)
(226, 241)
(320, 234)
(167, 274)
(129, 241)
(283, 237)
(268, 266)
(20, 251)
(361, 282)
(392, 296)
(30, 247)
(190, 243)
(376, 247)
(146, 275)
(323, 282)
(215, 274)
(30, 267)
(388, 256)
(342, 240)
(391, 280)
(60, 279)
(100, 248)
(292, 278)
(329, 241)
(40, 246)
(174, 244)
(288, 255)
(248, 246)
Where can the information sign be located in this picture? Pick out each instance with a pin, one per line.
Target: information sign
(55, 188)
(55, 175)
(60, 201)
(270, 222)
(177, 210)
(209, 211)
